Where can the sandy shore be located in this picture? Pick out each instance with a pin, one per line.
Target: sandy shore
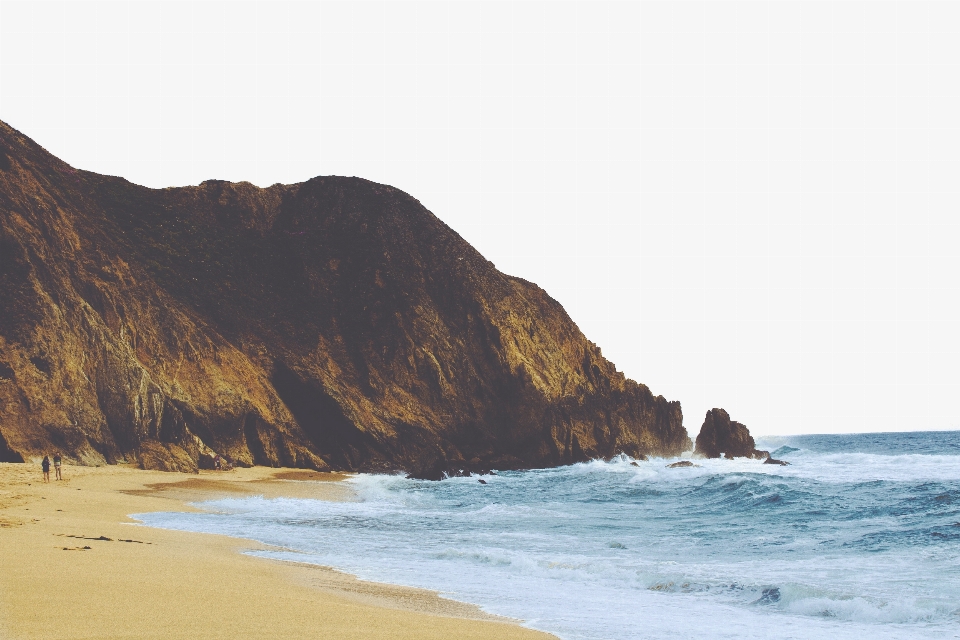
(73, 566)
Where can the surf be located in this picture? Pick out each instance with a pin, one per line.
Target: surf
(861, 542)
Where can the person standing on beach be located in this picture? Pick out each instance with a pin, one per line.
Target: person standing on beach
(46, 468)
(56, 465)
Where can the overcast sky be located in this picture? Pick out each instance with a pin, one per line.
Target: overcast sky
(750, 205)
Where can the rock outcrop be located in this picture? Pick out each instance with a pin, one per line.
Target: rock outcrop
(721, 436)
(334, 323)
(782, 463)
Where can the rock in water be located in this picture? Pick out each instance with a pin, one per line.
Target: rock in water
(721, 436)
(334, 323)
(682, 463)
(770, 595)
(782, 463)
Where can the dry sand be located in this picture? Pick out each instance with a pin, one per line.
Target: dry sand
(73, 565)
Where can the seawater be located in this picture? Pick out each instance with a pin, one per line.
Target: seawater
(858, 538)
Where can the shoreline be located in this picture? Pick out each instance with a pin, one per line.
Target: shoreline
(81, 567)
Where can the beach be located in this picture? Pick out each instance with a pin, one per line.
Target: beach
(75, 565)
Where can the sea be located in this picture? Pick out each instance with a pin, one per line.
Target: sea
(859, 537)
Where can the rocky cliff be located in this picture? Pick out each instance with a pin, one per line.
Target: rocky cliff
(331, 324)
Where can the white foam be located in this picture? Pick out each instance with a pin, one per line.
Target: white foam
(616, 549)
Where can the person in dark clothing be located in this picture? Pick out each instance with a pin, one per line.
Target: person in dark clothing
(46, 468)
(57, 460)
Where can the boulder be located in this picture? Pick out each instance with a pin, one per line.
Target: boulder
(721, 436)
(162, 456)
(782, 463)
(682, 463)
(769, 595)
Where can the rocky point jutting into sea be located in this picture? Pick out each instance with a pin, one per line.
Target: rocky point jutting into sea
(332, 324)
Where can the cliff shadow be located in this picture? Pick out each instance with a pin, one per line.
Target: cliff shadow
(321, 418)
(7, 454)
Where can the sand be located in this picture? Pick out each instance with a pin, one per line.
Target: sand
(74, 565)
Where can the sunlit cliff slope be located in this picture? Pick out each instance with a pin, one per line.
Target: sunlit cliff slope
(331, 324)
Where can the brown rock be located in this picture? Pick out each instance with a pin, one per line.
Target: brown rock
(7, 454)
(334, 323)
(682, 463)
(721, 436)
(166, 457)
(782, 463)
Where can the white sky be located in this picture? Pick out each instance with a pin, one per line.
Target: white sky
(750, 205)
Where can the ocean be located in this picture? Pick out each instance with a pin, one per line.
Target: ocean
(858, 538)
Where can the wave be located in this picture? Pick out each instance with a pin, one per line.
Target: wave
(861, 545)
(784, 450)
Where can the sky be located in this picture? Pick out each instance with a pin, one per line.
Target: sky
(747, 205)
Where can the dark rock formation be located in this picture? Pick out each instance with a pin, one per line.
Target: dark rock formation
(769, 595)
(721, 436)
(207, 462)
(682, 463)
(7, 454)
(166, 457)
(330, 324)
(782, 463)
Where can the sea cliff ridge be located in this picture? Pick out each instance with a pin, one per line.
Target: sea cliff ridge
(331, 324)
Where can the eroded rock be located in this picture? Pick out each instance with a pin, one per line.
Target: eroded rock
(782, 463)
(161, 456)
(721, 436)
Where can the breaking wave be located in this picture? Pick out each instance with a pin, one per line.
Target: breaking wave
(859, 537)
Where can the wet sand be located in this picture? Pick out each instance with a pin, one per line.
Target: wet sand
(75, 565)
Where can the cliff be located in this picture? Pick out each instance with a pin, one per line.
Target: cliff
(334, 323)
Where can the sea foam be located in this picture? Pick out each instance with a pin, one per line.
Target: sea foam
(861, 542)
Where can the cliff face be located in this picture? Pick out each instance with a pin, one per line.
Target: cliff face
(334, 323)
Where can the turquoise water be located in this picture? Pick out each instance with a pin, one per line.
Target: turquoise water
(858, 538)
